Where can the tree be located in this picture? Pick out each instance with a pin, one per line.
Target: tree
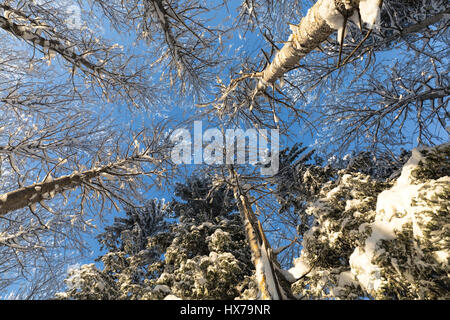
(358, 99)
(46, 26)
(186, 41)
(201, 255)
(371, 236)
(125, 273)
(56, 210)
(61, 157)
(358, 239)
(327, 16)
(208, 257)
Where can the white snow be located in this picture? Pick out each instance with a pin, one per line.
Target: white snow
(370, 12)
(48, 178)
(171, 297)
(162, 288)
(74, 276)
(100, 285)
(332, 16)
(264, 273)
(394, 210)
(301, 267)
(108, 176)
(206, 225)
(353, 203)
(346, 278)
(442, 256)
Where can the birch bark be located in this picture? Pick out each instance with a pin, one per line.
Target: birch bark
(27, 34)
(320, 22)
(268, 283)
(47, 189)
(306, 36)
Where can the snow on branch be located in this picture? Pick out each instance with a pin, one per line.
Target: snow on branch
(322, 19)
(29, 196)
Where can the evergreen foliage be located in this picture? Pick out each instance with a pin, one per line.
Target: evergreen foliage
(191, 248)
(365, 232)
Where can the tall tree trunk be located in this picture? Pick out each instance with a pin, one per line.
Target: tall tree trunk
(36, 193)
(27, 34)
(322, 19)
(306, 36)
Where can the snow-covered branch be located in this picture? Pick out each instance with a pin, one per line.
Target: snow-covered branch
(322, 19)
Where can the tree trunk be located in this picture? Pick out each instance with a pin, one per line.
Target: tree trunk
(306, 36)
(24, 33)
(269, 284)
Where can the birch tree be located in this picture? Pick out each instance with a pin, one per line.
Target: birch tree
(184, 42)
(44, 219)
(63, 162)
(359, 238)
(315, 72)
(326, 72)
(48, 29)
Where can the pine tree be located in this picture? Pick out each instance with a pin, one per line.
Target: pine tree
(56, 144)
(361, 235)
(192, 248)
(208, 256)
